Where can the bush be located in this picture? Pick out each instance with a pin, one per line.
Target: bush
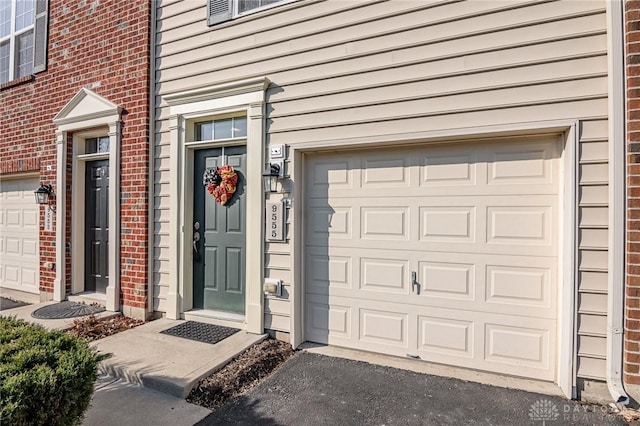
(46, 377)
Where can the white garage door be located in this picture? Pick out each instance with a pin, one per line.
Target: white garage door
(19, 228)
(475, 224)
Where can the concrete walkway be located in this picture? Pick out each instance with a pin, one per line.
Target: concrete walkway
(24, 313)
(166, 363)
(116, 402)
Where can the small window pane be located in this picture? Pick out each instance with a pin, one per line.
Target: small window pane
(239, 127)
(204, 131)
(246, 5)
(96, 145)
(5, 18)
(90, 146)
(25, 54)
(24, 14)
(103, 144)
(222, 129)
(4, 62)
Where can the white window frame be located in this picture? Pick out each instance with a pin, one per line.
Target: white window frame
(236, 14)
(13, 36)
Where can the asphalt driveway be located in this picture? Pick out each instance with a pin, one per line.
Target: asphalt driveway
(317, 390)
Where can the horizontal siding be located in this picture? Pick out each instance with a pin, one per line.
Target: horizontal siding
(593, 241)
(341, 70)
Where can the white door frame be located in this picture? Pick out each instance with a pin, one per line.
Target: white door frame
(83, 114)
(565, 356)
(245, 97)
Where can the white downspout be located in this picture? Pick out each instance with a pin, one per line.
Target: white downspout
(617, 205)
(152, 139)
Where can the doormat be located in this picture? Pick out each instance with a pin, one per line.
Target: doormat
(200, 331)
(66, 309)
(6, 303)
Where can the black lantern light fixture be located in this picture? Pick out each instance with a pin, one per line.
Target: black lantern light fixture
(270, 177)
(43, 193)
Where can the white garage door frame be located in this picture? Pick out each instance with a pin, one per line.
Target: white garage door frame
(565, 356)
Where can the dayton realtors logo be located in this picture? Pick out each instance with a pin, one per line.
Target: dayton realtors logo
(545, 410)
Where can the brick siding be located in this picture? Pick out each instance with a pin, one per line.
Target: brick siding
(632, 311)
(103, 46)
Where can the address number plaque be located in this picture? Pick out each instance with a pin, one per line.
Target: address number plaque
(275, 220)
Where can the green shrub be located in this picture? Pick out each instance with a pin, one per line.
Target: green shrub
(46, 377)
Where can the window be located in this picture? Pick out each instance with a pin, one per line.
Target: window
(23, 38)
(224, 10)
(97, 145)
(227, 128)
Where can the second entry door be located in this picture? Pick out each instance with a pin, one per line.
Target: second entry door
(219, 236)
(97, 226)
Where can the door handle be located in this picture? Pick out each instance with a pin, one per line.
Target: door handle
(196, 238)
(415, 285)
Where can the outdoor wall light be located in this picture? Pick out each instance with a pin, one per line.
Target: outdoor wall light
(270, 176)
(43, 193)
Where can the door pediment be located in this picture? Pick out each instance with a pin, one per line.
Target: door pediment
(86, 105)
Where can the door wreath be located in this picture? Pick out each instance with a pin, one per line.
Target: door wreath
(221, 182)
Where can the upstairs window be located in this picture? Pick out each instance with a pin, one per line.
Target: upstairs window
(23, 38)
(224, 10)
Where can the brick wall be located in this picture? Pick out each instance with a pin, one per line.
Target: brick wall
(104, 46)
(632, 314)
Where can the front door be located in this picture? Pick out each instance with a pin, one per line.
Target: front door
(219, 235)
(96, 226)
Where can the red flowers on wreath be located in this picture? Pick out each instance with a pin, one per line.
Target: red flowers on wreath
(221, 182)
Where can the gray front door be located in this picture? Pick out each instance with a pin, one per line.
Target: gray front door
(219, 253)
(96, 223)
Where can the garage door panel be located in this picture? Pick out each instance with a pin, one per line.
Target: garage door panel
(30, 217)
(446, 336)
(384, 275)
(447, 280)
(323, 320)
(448, 168)
(517, 346)
(333, 222)
(13, 217)
(442, 224)
(478, 225)
(434, 191)
(335, 172)
(384, 223)
(324, 272)
(385, 173)
(19, 228)
(529, 225)
(384, 327)
(521, 286)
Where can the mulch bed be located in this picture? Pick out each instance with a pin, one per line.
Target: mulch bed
(243, 373)
(93, 328)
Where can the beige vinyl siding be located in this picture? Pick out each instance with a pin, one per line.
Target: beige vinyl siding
(359, 69)
(593, 243)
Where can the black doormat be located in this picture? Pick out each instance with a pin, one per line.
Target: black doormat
(6, 303)
(201, 332)
(65, 309)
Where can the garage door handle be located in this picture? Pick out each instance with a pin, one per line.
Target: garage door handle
(415, 286)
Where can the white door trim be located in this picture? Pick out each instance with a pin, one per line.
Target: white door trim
(247, 97)
(87, 110)
(565, 373)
